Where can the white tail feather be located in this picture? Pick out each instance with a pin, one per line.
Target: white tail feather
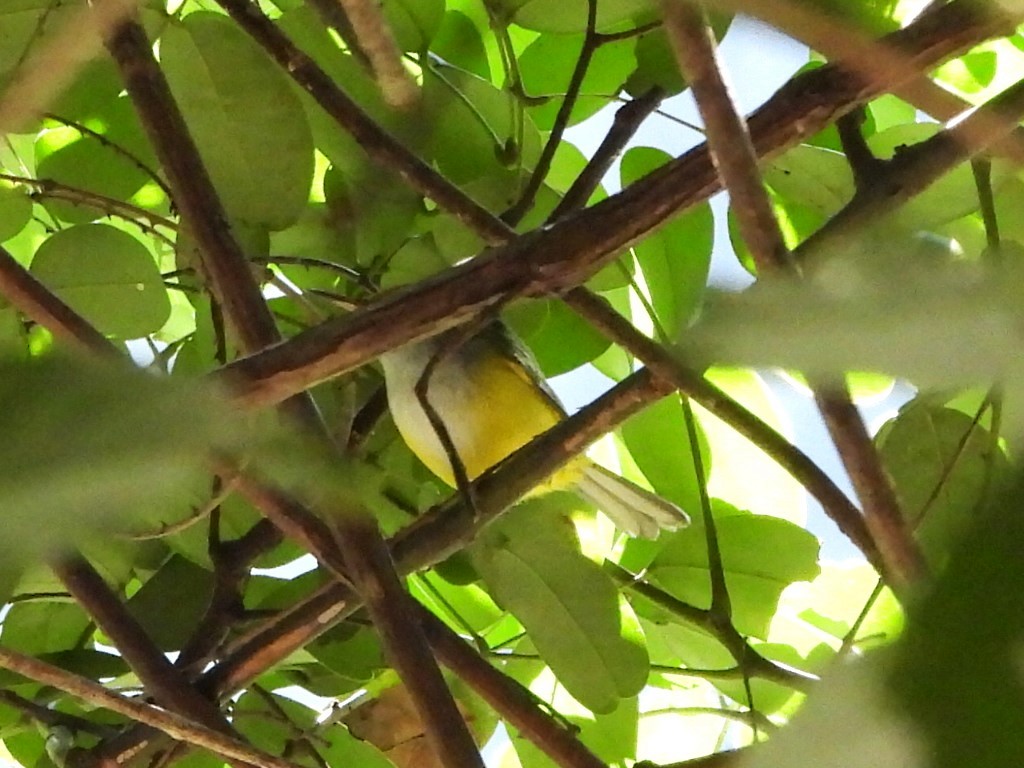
(633, 509)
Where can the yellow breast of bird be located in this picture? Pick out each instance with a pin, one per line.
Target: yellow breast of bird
(489, 407)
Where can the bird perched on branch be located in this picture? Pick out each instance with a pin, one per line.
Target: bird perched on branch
(488, 393)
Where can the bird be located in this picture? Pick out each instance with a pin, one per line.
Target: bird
(489, 393)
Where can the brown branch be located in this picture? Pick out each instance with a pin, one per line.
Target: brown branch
(380, 145)
(565, 254)
(377, 42)
(158, 676)
(734, 155)
(509, 698)
(360, 543)
(201, 210)
(911, 171)
(175, 726)
(728, 140)
(857, 52)
(624, 125)
(663, 364)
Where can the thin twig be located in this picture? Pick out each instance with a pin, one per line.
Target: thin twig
(378, 143)
(377, 42)
(113, 147)
(590, 45)
(624, 125)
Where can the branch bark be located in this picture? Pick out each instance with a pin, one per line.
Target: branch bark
(567, 253)
(175, 726)
(234, 287)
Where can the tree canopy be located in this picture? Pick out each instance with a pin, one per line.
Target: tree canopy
(215, 215)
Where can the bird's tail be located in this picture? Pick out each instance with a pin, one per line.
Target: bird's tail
(633, 509)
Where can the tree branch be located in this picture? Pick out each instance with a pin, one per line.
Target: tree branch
(377, 42)
(175, 726)
(158, 676)
(360, 542)
(380, 145)
(856, 52)
(624, 125)
(734, 155)
(664, 365)
(568, 252)
(510, 699)
(590, 44)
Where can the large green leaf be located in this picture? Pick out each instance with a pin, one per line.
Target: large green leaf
(942, 463)
(110, 166)
(563, 17)
(578, 622)
(547, 65)
(676, 259)
(414, 22)
(234, 98)
(37, 628)
(761, 556)
(171, 602)
(671, 472)
(15, 211)
(86, 446)
(559, 338)
(107, 276)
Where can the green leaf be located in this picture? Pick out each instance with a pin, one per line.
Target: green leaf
(413, 22)
(567, 16)
(345, 749)
(171, 602)
(468, 126)
(950, 198)
(38, 628)
(86, 446)
(811, 177)
(761, 556)
(546, 68)
(15, 211)
(269, 721)
(675, 262)
(656, 66)
(941, 463)
(233, 98)
(351, 652)
(741, 472)
(578, 622)
(377, 211)
(106, 167)
(107, 276)
(560, 339)
(670, 472)
(459, 42)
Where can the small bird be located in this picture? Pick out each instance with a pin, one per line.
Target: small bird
(489, 393)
